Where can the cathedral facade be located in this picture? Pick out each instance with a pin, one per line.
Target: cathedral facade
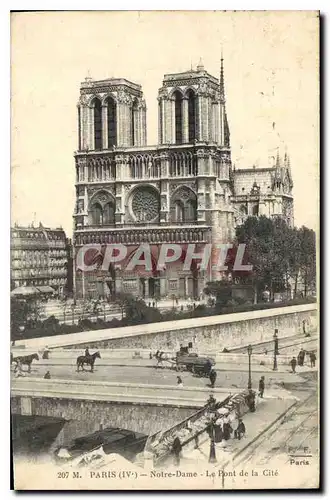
(183, 190)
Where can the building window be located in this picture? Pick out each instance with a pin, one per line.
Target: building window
(184, 205)
(191, 115)
(179, 211)
(112, 122)
(190, 211)
(134, 114)
(109, 214)
(178, 117)
(97, 218)
(97, 124)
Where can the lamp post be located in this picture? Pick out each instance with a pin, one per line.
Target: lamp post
(72, 307)
(249, 351)
(275, 349)
(212, 457)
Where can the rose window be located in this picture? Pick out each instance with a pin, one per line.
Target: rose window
(145, 204)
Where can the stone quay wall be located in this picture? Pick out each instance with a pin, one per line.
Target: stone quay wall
(208, 334)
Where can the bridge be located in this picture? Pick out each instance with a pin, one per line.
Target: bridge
(88, 406)
(127, 391)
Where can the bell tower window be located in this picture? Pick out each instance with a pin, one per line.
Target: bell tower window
(97, 124)
(191, 115)
(178, 117)
(112, 122)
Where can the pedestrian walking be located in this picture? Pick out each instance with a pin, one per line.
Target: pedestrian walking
(213, 377)
(261, 386)
(240, 431)
(301, 357)
(208, 367)
(312, 358)
(211, 403)
(176, 450)
(218, 432)
(293, 364)
(227, 429)
(179, 381)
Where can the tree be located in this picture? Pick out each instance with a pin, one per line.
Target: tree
(24, 313)
(307, 258)
(221, 290)
(278, 254)
(136, 310)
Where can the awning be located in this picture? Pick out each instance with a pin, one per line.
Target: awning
(25, 291)
(46, 289)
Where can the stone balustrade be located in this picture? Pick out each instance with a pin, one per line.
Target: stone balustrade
(173, 233)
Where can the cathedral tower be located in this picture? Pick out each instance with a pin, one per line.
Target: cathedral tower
(192, 108)
(111, 113)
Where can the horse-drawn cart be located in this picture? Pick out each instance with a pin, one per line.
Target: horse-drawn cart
(199, 365)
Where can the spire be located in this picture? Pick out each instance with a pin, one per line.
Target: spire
(222, 81)
(277, 164)
(287, 164)
(226, 131)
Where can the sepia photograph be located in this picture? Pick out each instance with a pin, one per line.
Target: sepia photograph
(164, 250)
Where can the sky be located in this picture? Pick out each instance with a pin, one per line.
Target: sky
(271, 76)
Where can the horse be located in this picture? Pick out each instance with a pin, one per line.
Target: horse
(24, 360)
(87, 360)
(162, 356)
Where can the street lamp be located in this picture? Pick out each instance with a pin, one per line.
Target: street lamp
(72, 307)
(275, 349)
(249, 351)
(212, 457)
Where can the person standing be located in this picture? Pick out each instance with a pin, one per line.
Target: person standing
(240, 431)
(213, 377)
(312, 358)
(293, 364)
(261, 386)
(218, 433)
(176, 450)
(227, 429)
(179, 381)
(211, 403)
(301, 357)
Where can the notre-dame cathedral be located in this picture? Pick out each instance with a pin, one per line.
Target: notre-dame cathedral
(182, 190)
